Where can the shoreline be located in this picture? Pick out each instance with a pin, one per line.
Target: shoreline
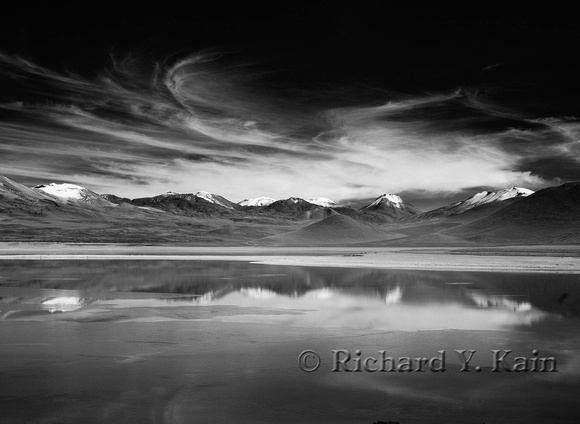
(536, 259)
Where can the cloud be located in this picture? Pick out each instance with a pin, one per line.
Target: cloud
(145, 126)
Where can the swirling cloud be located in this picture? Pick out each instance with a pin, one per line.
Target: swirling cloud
(201, 122)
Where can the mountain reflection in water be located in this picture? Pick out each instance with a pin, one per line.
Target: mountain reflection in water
(329, 297)
(218, 341)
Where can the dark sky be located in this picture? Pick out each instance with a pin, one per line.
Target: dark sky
(340, 100)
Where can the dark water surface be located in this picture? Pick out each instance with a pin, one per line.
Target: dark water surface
(217, 341)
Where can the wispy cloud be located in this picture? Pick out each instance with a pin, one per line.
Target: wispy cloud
(202, 123)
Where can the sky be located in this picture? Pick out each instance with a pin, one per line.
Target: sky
(344, 100)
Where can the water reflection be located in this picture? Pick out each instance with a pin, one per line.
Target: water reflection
(494, 301)
(158, 341)
(342, 308)
(326, 297)
(64, 303)
(394, 296)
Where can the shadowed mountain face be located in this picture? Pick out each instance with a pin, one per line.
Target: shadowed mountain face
(184, 204)
(479, 200)
(293, 206)
(66, 212)
(115, 199)
(336, 229)
(549, 215)
(12, 190)
(17, 199)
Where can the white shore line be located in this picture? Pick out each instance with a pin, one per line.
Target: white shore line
(393, 261)
(431, 267)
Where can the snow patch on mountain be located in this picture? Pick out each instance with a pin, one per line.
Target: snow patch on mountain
(486, 197)
(212, 198)
(392, 199)
(257, 201)
(323, 201)
(72, 192)
(509, 193)
(63, 191)
(295, 199)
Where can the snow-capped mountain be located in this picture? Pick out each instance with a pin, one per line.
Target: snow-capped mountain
(62, 191)
(485, 197)
(297, 207)
(323, 201)
(257, 201)
(479, 199)
(172, 197)
(206, 204)
(73, 193)
(215, 199)
(512, 215)
(295, 200)
(386, 199)
(392, 205)
(509, 193)
(548, 214)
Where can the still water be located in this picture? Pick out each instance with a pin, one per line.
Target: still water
(209, 341)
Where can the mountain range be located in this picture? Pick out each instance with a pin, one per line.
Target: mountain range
(71, 213)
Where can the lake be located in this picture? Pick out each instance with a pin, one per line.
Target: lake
(219, 341)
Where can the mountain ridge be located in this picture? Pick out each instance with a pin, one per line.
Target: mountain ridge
(476, 200)
(67, 212)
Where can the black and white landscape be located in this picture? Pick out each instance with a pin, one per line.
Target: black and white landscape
(190, 199)
(70, 213)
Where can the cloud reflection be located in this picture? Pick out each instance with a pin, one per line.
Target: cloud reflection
(335, 308)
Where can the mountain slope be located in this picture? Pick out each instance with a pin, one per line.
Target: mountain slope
(67, 212)
(392, 206)
(17, 199)
(549, 215)
(215, 199)
(115, 199)
(334, 229)
(186, 204)
(73, 193)
(257, 202)
(477, 200)
(294, 207)
(324, 202)
(12, 190)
